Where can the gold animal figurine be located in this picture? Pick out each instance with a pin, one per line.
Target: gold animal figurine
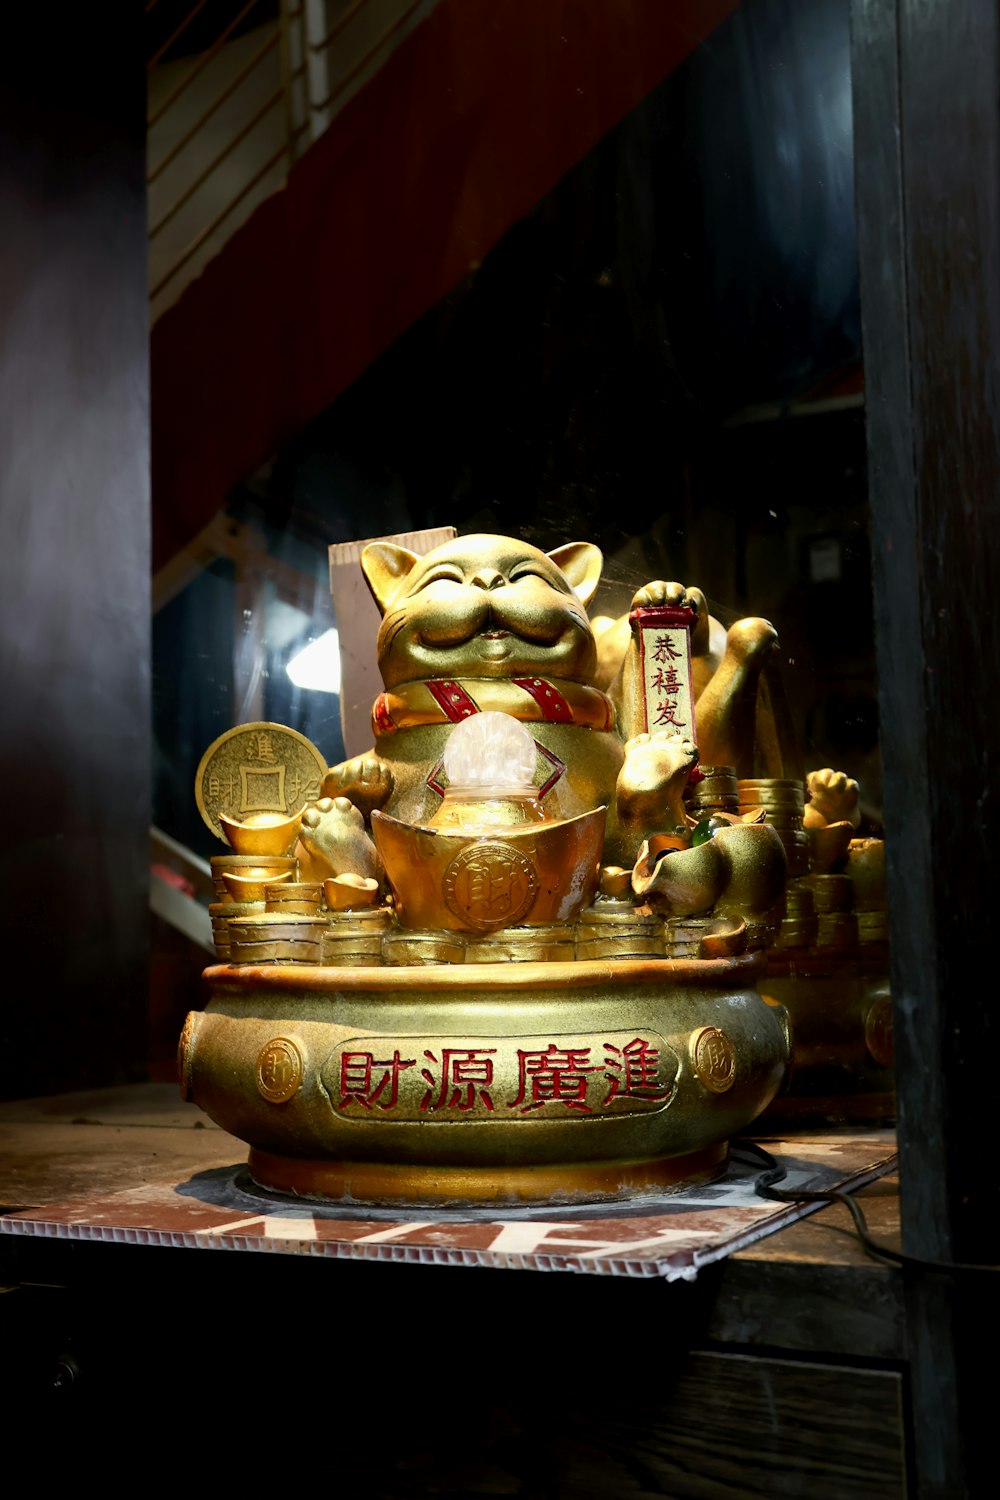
(492, 623)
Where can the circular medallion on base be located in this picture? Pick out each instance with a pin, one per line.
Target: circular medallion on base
(713, 1058)
(278, 1073)
(878, 1031)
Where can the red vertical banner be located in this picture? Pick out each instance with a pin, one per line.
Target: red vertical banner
(663, 633)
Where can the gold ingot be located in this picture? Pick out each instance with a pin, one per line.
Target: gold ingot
(299, 898)
(249, 865)
(684, 883)
(725, 938)
(267, 938)
(755, 866)
(615, 882)
(350, 892)
(828, 846)
(264, 833)
(540, 873)
(254, 884)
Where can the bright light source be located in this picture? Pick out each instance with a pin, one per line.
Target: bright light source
(317, 666)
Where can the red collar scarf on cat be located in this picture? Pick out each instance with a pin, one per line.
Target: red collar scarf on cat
(535, 700)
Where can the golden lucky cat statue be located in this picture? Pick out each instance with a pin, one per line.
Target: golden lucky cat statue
(492, 623)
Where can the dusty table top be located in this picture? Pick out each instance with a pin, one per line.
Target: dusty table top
(807, 1286)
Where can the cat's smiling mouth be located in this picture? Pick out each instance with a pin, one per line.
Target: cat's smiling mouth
(495, 644)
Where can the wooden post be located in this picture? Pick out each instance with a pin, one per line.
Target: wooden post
(927, 153)
(74, 548)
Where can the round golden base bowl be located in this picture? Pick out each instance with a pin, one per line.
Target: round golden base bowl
(504, 1084)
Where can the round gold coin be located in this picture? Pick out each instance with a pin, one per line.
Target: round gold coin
(256, 769)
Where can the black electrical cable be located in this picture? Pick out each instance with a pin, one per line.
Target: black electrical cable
(764, 1187)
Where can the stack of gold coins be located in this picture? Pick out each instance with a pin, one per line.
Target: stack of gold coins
(619, 929)
(268, 938)
(718, 791)
(255, 867)
(832, 898)
(403, 947)
(799, 926)
(545, 944)
(684, 934)
(221, 913)
(873, 926)
(293, 898)
(782, 801)
(866, 871)
(763, 927)
(354, 939)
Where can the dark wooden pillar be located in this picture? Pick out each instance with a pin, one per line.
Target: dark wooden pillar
(74, 547)
(927, 146)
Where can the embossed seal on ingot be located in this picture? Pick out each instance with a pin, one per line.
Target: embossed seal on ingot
(878, 1031)
(713, 1058)
(279, 1070)
(490, 885)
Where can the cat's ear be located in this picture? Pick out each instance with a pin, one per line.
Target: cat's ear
(386, 568)
(581, 564)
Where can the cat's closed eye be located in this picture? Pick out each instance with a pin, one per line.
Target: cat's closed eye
(442, 575)
(530, 573)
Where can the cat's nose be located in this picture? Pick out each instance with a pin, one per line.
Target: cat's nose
(487, 578)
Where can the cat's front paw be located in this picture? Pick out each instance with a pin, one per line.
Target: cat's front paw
(333, 841)
(677, 595)
(833, 798)
(366, 781)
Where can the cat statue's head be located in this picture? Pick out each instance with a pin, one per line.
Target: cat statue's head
(484, 606)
